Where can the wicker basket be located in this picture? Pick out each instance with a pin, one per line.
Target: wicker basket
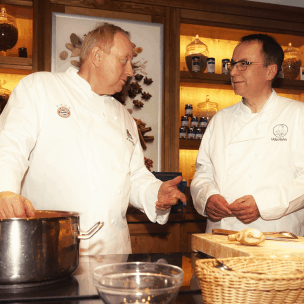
(283, 281)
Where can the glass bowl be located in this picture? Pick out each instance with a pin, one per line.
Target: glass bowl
(138, 282)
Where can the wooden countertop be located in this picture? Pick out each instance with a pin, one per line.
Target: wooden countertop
(218, 246)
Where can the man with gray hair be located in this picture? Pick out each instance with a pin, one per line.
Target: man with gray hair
(66, 144)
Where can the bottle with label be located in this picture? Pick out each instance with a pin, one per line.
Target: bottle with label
(191, 134)
(189, 110)
(225, 66)
(199, 133)
(203, 123)
(185, 121)
(182, 133)
(194, 122)
(211, 65)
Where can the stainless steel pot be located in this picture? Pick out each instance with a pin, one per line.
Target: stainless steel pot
(41, 249)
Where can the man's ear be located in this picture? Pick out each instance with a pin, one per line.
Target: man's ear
(96, 54)
(271, 71)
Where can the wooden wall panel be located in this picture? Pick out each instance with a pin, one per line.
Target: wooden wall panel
(155, 238)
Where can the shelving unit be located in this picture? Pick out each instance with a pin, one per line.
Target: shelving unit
(16, 63)
(194, 87)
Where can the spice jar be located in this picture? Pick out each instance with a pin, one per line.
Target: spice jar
(207, 109)
(196, 56)
(8, 31)
(291, 63)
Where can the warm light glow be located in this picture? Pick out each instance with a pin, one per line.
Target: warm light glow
(187, 160)
(11, 80)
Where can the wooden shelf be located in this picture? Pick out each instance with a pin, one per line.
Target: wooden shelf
(222, 79)
(189, 144)
(16, 63)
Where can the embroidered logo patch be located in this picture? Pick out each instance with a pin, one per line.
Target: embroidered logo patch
(64, 112)
(129, 137)
(279, 132)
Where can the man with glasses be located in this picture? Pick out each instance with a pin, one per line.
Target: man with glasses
(250, 165)
(66, 144)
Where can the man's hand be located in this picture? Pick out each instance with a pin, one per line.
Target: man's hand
(245, 209)
(15, 205)
(168, 194)
(217, 208)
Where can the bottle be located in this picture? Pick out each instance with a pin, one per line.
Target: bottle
(189, 110)
(194, 122)
(225, 66)
(207, 109)
(185, 121)
(211, 65)
(191, 134)
(182, 133)
(196, 56)
(199, 133)
(203, 123)
(22, 52)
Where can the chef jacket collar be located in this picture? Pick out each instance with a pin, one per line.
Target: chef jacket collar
(97, 104)
(257, 126)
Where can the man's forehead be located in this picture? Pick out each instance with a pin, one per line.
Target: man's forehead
(247, 49)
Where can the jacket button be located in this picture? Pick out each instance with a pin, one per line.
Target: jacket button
(115, 117)
(112, 222)
(120, 139)
(119, 191)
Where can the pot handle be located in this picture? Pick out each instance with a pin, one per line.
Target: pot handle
(90, 232)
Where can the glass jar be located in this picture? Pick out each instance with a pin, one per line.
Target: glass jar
(196, 56)
(291, 63)
(8, 31)
(4, 95)
(207, 109)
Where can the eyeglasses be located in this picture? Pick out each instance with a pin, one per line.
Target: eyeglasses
(240, 65)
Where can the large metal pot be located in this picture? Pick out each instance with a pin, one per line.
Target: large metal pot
(41, 249)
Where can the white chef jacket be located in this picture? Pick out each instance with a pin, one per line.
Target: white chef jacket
(74, 150)
(259, 154)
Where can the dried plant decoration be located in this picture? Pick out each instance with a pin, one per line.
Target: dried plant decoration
(76, 40)
(75, 63)
(138, 77)
(148, 81)
(138, 103)
(145, 95)
(63, 55)
(135, 86)
(132, 93)
(119, 96)
(142, 129)
(148, 163)
(70, 46)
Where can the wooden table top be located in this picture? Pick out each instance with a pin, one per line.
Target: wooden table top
(218, 246)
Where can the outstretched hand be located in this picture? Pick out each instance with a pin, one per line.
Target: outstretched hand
(168, 194)
(15, 205)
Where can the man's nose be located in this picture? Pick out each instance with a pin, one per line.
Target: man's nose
(129, 69)
(234, 71)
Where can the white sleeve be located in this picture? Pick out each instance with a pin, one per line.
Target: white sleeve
(203, 185)
(145, 187)
(19, 128)
(282, 199)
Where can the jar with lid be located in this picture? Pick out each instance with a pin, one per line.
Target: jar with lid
(194, 122)
(189, 110)
(182, 133)
(4, 95)
(203, 123)
(8, 32)
(185, 121)
(291, 63)
(207, 109)
(191, 134)
(196, 56)
(199, 133)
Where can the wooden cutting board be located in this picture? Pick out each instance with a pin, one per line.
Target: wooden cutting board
(218, 246)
